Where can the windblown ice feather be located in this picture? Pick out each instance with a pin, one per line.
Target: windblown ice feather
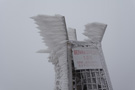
(95, 31)
(71, 36)
(53, 31)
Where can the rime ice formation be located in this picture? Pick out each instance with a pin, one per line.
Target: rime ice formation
(56, 36)
(54, 32)
(72, 34)
(95, 31)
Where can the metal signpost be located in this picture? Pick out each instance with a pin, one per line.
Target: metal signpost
(89, 71)
(79, 65)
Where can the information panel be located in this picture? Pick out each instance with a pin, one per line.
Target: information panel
(86, 58)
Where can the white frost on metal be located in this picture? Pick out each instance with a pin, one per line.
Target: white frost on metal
(55, 36)
(95, 31)
(72, 34)
(53, 31)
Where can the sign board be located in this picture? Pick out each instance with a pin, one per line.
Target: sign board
(86, 58)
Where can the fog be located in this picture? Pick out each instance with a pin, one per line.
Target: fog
(21, 68)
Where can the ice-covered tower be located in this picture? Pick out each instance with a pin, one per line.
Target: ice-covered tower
(79, 65)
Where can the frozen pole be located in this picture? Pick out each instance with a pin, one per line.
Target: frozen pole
(61, 46)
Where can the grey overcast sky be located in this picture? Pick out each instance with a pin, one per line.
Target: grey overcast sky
(21, 68)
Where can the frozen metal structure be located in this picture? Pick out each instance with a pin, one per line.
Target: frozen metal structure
(79, 65)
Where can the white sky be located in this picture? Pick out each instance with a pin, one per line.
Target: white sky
(23, 69)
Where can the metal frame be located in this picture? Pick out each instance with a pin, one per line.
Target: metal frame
(87, 79)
